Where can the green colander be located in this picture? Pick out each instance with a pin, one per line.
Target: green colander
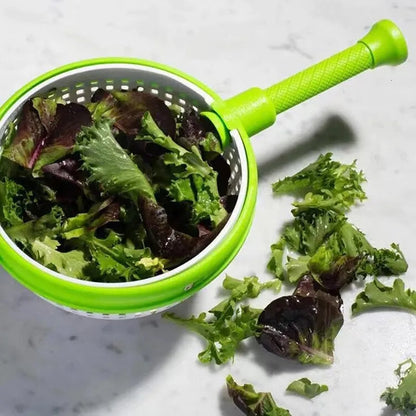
(236, 119)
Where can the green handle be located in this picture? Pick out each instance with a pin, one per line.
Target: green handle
(256, 109)
(383, 45)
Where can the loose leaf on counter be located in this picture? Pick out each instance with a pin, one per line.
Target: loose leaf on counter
(302, 326)
(252, 403)
(326, 184)
(403, 397)
(230, 322)
(304, 387)
(320, 232)
(377, 295)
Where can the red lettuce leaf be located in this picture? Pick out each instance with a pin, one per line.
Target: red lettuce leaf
(60, 141)
(126, 109)
(168, 242)
(67, 170)
(29, 135)
(302, 326)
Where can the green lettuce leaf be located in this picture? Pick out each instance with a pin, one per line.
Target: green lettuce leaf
(15, 202)
(229, 323)
(113, 261)
(304, 387)
(252, 403)
(70, 263)
(190, 177)
(377, 295)
(48, 225)
(403, 397)
(327, 184)
(109, 165)
(98, 215)
(275, 264)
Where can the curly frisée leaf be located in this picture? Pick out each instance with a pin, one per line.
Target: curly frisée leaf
(326, 183)
(403, 397)
(377, 295)
(252, 403)
(230, 322)
(304, 387)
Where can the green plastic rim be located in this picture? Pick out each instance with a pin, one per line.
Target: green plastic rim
(145, 296)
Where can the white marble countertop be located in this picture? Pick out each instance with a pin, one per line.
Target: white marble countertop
(55, 363)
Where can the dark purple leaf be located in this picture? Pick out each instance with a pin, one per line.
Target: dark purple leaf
(300, 327)
(193, 129)
(303, 326)
(228, 202)
(67, 124)
(168, 242)
(107, 214)
(221, 166)
(341, 273)
(67, 170)
(68, 121)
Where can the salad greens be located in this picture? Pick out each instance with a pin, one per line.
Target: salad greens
(377, 295)
(320, 232)
(230, 322)
(122, 188)
(304, 387)
(320, 252)
(403, 397)
(252, 403)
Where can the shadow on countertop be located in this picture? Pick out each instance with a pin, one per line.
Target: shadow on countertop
(56, 363)
(332, 133)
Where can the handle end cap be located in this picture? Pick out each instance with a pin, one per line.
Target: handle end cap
(386, 44)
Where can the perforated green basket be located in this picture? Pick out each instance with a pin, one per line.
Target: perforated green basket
(236, 119)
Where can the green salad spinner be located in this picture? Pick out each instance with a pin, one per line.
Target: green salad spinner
(236, 120)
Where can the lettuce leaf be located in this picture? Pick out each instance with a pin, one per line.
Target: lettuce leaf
(192, 179)
(403, 397)
(47, 225)
(126, 108)
(15, 203)
(326, 183)
(230, 323)
(66, 124)
(252, 403)
(22, 146)
(113, 261)
(377, 295)
(109, 166)
(320, 231)
(304, 387)
(70, 263)
(301, 327)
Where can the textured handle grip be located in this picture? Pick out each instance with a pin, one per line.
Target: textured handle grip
(320, 77)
